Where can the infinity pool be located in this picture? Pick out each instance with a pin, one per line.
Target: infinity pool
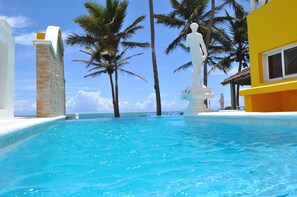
(152, 156)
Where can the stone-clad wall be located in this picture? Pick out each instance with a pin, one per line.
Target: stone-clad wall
(50, 79)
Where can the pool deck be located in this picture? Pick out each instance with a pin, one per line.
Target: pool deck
(287, 119)
(8, 126)
(249, 114)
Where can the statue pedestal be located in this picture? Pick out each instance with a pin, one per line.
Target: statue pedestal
(196, 97)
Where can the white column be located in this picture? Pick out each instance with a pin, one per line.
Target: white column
(253, 5)
(262, 2)
(233, 99)
(6, 71)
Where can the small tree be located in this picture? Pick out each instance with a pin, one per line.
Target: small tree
(103, 31)
(98, 65)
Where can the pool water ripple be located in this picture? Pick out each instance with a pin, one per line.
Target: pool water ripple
(152, 157)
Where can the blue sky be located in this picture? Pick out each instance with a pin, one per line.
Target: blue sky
(93, 95)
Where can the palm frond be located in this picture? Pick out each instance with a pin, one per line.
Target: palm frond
(129, 32)
(183, 67)
(96, 74)
(94, 9)
(174, 4)
(81, 40)
(131, 29)
(169, 21)
(133, 74)
(223, 65)
(135, 44)
(127, 58)
(176, 42)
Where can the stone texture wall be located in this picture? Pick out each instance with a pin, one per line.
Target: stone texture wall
(50, 80)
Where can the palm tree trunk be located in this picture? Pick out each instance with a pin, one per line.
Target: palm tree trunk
(154, 60)
(207, 41)
(205, 80)
(112, 93)
(238, 86)
(117, 110)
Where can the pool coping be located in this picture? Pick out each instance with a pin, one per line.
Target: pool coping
(286, 119)
(21, 128)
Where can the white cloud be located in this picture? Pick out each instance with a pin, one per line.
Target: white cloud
(26, 88)
(149, 104)
(25, 39)
(86, 102)
(18, 21)
(24, 107)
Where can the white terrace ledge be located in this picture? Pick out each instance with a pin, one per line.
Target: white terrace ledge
(10, 126)
(287, 119)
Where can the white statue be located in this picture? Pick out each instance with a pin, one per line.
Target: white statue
(222, 102)
(196, 93)
(198, 53)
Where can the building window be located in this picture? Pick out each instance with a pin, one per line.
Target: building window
(275, 66)
(291, 61)
(281, 63)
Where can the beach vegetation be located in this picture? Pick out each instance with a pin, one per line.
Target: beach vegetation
(104, 34)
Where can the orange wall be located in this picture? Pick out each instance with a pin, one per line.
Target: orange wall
(272, 102)
(267, 102)
(289, 100)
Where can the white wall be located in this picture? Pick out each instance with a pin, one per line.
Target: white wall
(6, 71)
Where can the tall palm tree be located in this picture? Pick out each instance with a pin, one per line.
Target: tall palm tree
(183, 14)
(103, 30)
(239, 51)
(234, 5)
(98, 65)
(154, 60)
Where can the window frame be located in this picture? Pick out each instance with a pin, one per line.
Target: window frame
(280, 50)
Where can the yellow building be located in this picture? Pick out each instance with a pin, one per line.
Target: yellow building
(272, 33)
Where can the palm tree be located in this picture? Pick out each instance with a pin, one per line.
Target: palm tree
(103, 31)
(239, 51)
(154, 60)
(186, 12)
(235, 5)
(98, 65)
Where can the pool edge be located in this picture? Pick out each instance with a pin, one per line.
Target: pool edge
(246, 118)
(31, 127)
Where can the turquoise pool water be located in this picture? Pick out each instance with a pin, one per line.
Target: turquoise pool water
(152, 156)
